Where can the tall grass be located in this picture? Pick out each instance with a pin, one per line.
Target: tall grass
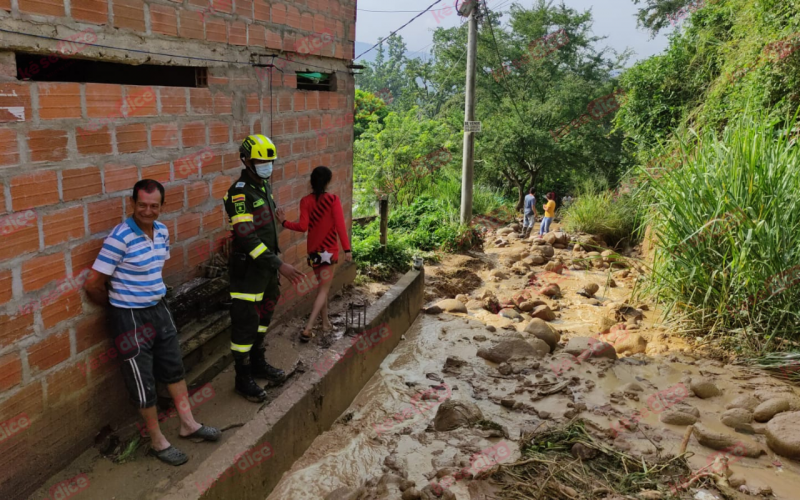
(600, 212)
(727, 229)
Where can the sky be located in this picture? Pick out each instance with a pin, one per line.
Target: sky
(615, 19)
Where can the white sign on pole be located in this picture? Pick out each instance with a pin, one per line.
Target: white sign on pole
(472, 126)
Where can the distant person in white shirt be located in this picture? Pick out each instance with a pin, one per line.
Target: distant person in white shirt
(530, 214)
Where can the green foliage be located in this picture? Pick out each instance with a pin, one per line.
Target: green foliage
(598, 211)
(369, 109)
(378, 263)
(727, 225)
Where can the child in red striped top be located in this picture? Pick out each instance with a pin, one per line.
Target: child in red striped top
(321, 215)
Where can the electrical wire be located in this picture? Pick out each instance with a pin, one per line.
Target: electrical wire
(398, 29)
(400, 11)
(500, 60)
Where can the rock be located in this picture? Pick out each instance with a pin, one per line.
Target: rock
(551, 290)
(474, 304)
(556, 267)
(629, 343)
(530, 305)
(491, 304)
(704, 389)
(734, 446)
(744, 401)
(589, 347)
(537, 259)
(411, 494)
(650, 495)
(674, 417)
(612, 283)
(768, 409)
(515, 226)
(631, 387)
(462, 298)
(433, 310)
(479, 338)
(590, 243)
(519, 268)
(542, 331)
(549, 238)
(546, 250)
(583, 452)
(589, 290)
(611, 256)
(737, 418)
(452, 305)
(514, 348)
(510, 313)
(537, 241)
(490, 328)
(543, 312)
(453, 364)
(455, 413)
(504, 231)
(577, 248)
(497, 274)
(561, 237)
(783, 434)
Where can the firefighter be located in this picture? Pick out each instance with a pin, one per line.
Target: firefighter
(254, 266)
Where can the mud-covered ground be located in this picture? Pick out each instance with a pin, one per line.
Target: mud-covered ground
(534, 374)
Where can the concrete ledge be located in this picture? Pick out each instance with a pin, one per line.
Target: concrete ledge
(309, 407)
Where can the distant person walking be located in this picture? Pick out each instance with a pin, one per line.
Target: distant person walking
(322, 216)
(530, 214)
(549, 213)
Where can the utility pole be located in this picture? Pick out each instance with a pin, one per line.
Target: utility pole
(469, 8)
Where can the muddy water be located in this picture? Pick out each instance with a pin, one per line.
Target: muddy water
(358, 448)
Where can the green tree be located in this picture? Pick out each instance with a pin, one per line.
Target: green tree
(369, 109)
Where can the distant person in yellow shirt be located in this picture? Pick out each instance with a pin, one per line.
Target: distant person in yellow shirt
(549, 213)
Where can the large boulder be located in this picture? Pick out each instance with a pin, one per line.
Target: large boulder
(550, 238)
(514, 348)
(768, 409)
(542, 331)
(704, 389)
(737, 418)
(627, 342)
(543, 312)
(455, 413)
(783, 434)
(452, 305)
(734, 446)
(586, 347)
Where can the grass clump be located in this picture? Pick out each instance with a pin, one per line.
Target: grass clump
(726, 227)
(600, 212)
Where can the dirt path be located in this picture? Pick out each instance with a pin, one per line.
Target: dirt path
(393, 439)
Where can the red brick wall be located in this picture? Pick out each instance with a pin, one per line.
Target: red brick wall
(69, 157)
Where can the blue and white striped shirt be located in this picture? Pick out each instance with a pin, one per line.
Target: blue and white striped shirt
(134, 262)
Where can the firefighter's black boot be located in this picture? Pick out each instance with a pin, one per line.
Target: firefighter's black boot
(245, 385)
(259, 366)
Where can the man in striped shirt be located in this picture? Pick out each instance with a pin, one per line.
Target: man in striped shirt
(133, 291)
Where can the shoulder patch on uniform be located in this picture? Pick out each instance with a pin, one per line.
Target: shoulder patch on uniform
(258, 203)
(239, 185)
(238, 197)
(239, 207)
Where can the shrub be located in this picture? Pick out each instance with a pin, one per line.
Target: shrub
(726, 227)
(600, 212)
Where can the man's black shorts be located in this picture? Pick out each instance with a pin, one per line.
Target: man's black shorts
(147, 342)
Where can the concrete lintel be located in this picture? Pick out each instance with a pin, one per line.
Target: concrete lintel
(308, 408)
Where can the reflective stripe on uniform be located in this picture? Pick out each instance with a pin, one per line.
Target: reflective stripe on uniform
(261, 248)
(262, 329)
(249, 297)
(241, 348)
(236, 219)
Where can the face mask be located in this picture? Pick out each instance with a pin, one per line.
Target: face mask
(264, 170)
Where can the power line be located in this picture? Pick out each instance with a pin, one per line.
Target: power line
(401, 11)
(398, 29)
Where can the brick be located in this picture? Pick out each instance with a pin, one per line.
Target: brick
(159, 172)
(201, 101)
(307, 22)
(173, 100)
(41, 271)
(10, 371)
(59, 100)
(5, 288)
(188, 226)
(218, 133)
(214, 164)
(163, 20)
(28, 400)
(138, 102)
(9, 152)
(64, 384)
(49, 352)
(198, 252)
(175, 263)
(164, 135)
(129, 14)
(293, 17)
(278, 14)
(91, 331)
(197, 194)
(284, 103)
(194, 134)
(260, 12)
(61, 307)
(103, 100)
(192, 25)
(244, 8)
(253, 103)
(216, 30)
(256, 35)
(238, 33)
(47, 145)
(290, 81)
(174, 199)
(15, 328)
(93, 11)
(5, 5)
(104, 215)
(63, 225)
(93, 142)
(222, 104)
(80, 183)
(20, 242)
(43, 7)
(274, 40)
(132, 138)
(84, 255)
(215, 219)
(34, 190)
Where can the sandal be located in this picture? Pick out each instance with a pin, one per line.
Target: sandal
(204, 433)
(305, 338)
(171, 456)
